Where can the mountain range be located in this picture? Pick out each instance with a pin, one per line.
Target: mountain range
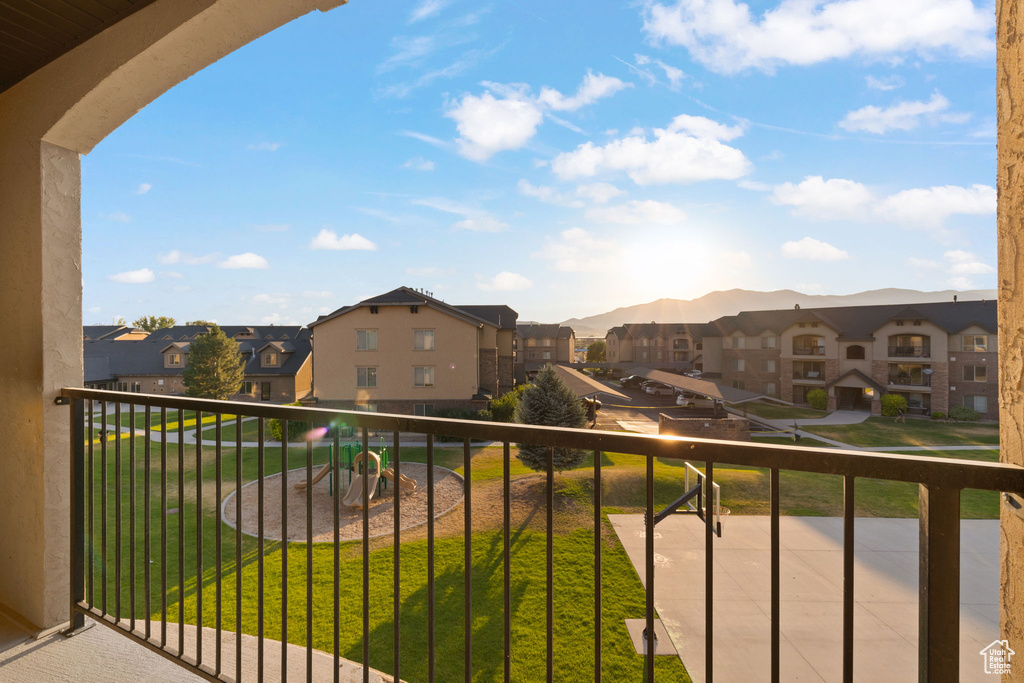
(730, 302)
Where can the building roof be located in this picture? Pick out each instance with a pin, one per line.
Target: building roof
(498, 316)
(699, 386)
(550, 330)
(653, 330)
(107, 331)
(584, 386)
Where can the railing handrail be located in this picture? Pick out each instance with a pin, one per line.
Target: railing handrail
(946, 472)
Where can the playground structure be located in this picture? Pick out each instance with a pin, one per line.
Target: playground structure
(378, 471)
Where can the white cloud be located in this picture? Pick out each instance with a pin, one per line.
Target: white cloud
(960, 283)
(689, 150)
(173, 274)
(143, 188)
(270, 299)
(419, 164)
(642, 212)
(328, 239)
(174, 256)
(900, 116)
(548, 195)
(675, 75)
(246, 260)
(277, 319)
(593, 88)
(831, 199)
(810, 249)
(724, 36)
(264, 146)
(476, 220)
(885, 83)
(965, 263)
(578, 251)
(118, 217)
(599, 193)
(426, 9)
(505, 282)
(134, 277)
(929, 208)
(488, 125)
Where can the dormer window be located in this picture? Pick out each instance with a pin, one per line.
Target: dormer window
(174, 359)
(269, 359)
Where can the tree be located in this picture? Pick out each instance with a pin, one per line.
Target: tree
(200, 322)
(215, 366)
(817, 399)
(595, 352)
(548, 401)
(152, 323)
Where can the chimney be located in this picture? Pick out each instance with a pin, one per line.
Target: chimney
(954, 298)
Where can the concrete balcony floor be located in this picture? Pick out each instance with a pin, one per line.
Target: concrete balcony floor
(99, 654)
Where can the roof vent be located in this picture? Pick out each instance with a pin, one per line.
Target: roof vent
(374, 310)
(796, 307)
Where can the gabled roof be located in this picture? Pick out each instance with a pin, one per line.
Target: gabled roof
(406, 296)
(540, 330)
(582, 385)
(281, 347)
(94, 332)
(698, 386)
(859, 375)
(180, 346)
(653, 330)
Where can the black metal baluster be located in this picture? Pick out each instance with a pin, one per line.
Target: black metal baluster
(598, 523)
(199, 538)
(238, 547)
(260, 453)
(131, 513)
(91, 546)
(284, 546)
(117, 512)
(163, 527)
(147, 503)
(396, 574)
(430, 558)
(309, 551)
(366, 554)
(218, 656)
(549, 559)
(336, 463)
(181, 532)
(103, 505)
(709, 572)
(468, 561)
(848, 525)
(650, 644)
(776, 571)
(506, 554)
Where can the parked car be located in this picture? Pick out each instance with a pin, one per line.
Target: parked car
(659, 389)
(632, 382)
(688, 400)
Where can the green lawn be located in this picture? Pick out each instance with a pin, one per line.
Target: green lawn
(885, 431)
(775, 411)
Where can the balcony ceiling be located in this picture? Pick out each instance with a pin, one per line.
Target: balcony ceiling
(35, 32)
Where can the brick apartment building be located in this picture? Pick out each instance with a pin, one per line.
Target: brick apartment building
(668, 343)
(537, 344)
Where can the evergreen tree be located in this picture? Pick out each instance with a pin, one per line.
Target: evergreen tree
(152, 323)
(215, 366)
(548, 401)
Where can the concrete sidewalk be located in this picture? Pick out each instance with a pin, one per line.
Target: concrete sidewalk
(885, 611)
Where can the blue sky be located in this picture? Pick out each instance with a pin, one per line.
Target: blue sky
(558, 158)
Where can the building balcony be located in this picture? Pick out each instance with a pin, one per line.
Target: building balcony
(910, 352)
(911, 380)
(179, 504)
(808, 350)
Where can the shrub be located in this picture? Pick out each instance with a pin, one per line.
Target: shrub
(818, 399)
(551, 403)
(963, 413)
(459, 414)
(892, 404)
(296, 430)
(937, 415)
(503, 409)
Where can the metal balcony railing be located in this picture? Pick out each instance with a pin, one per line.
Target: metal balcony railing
(816, 375)
(911, 380)
(808, 350)
(167, 464)
(910, 352)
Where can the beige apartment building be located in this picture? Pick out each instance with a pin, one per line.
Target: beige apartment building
(407, 352)
(678, 344)
(937, 355)
(537, 344)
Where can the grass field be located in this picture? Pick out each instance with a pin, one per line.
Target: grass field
(885, 431)
(775, 411)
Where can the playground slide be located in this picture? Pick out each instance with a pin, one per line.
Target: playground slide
(404, 482)
(354, 495)
(324, 471)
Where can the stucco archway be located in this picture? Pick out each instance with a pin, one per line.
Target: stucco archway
(47, 120)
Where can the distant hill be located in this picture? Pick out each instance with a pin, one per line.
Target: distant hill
(730, 302)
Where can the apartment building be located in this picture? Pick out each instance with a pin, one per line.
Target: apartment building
(407, 352)
(669, 343)
(538, 343)
(278, 363)
(937, 355)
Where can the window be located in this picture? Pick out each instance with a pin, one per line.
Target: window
(423, 340)
(768, 389)
(767, 342)
(768, 365)
(737, 384)
(531, 342)
(366, 340)
(246, 388)
(979, 403)
(531, 354)
(739, 365)
(976, 342)
(855, 352)
(547, 355)
(739, 342)
(366, 407)
(545, 342)
(423, 376)
(423, 409)
(174, 359)
(269, 359)
(975, 373)
(366, 377)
